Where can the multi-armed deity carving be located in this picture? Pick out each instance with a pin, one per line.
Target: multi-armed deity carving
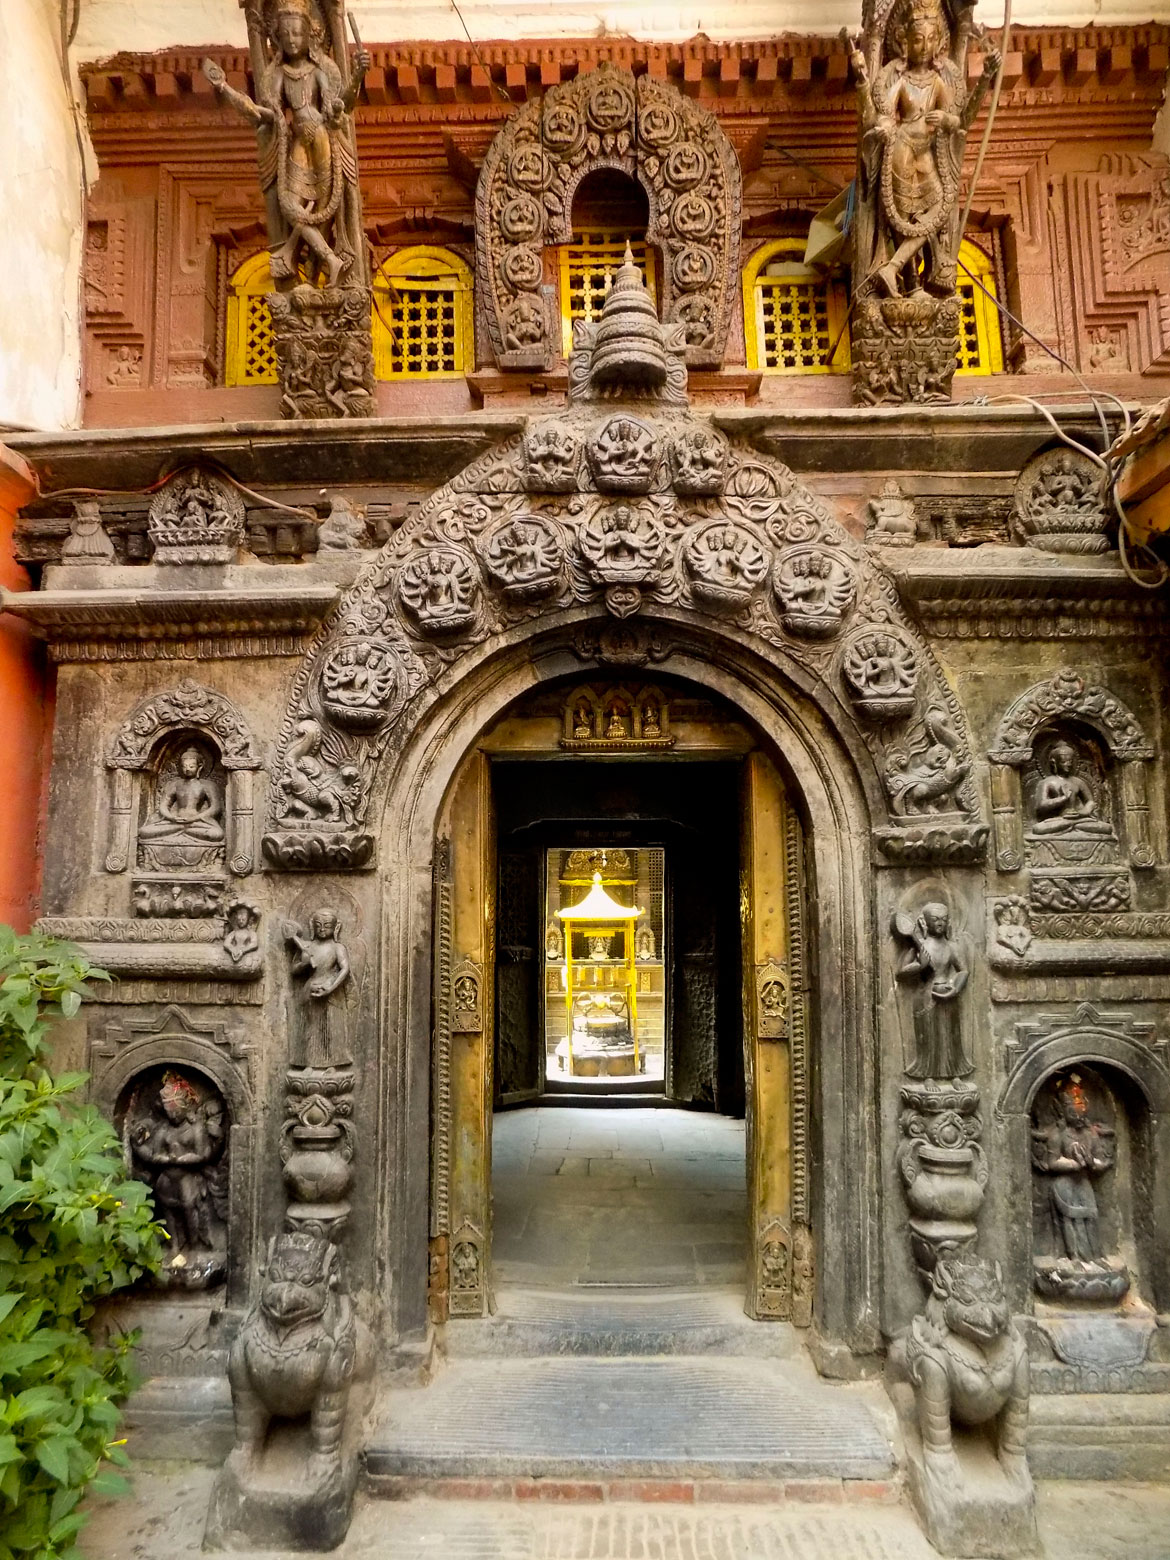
(915, 112)
(306, 88)
(174, 1131)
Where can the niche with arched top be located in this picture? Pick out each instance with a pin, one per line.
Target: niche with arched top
(175, 1127)
(1090, 1160)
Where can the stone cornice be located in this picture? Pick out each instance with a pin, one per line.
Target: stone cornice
(141, 623)
(994, 592)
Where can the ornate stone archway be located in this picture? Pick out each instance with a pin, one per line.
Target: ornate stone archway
(641, 127)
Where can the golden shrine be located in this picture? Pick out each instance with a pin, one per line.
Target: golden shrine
(601, 988)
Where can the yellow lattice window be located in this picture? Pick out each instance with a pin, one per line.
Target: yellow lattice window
(980, 336)
(588, 266)
(250, 351)
(793, 315)
(423, 317)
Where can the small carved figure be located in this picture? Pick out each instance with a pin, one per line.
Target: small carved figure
(618, 726)
(321, 962)
(726, 563)
(439, 590)
(623, 455)
(198, 516)
(966, 1361)
(882, 675)
(295, 1352)
(644, 949)
(815, 591)
(1070, 1152)
(936, 961)
(582, 722)
(1065, 802)
(651, 725)
(241, 936)
(344, 527)
(359, 682)
(87, 541)
(550, 452)
(1060, 503)
(176, 1141)
(1013, 924)
(319, 782)
(893, 521)
(698, 462)
(925, 781)
(188, 807)
(524, 556)
(554, 942)
(621, 545)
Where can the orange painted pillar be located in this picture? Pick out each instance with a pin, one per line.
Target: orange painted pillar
(24, 697)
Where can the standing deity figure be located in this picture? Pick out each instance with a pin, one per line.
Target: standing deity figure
(320, 961)
(308, 164)
(307, 149)
(915, 115)
(936, 962)
(1071, 1152)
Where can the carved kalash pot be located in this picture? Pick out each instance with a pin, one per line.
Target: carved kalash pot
(628, 354)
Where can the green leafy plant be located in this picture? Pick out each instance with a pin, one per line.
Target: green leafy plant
(73, 1228)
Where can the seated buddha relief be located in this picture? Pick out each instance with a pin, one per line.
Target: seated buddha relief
(1069, 797)
(183, 823)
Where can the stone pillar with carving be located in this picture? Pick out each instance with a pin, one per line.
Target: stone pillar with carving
(306, 86)
(915, 110)
(297, 1350)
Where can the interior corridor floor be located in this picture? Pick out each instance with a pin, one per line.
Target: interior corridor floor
(589, 1196)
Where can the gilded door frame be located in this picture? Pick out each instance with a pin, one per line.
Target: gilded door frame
(778, 1234)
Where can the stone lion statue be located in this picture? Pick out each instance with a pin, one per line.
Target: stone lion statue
(295, 1351)
(967, 1362)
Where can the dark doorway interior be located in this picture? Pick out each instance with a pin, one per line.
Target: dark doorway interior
(691, 811)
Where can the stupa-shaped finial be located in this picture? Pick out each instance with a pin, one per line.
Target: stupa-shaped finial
(629, 353)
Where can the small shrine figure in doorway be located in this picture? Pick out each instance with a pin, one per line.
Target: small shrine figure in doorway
(320, 960)
(1071, 1152)
(935, 960)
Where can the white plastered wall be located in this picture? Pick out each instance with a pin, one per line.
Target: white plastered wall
(42, 198)
(110, 25)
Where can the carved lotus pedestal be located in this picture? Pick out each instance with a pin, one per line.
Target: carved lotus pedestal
(1061, 1278)
(904, 349)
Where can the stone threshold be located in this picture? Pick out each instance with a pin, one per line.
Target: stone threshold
(699, 1492)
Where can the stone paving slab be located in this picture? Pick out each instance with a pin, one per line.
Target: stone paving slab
(163, 1520)
(721, 1418)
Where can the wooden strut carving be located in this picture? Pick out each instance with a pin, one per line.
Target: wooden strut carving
(303, 115)
(915, 111)
(524, 200)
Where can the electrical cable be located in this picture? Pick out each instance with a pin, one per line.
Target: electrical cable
(153, 487)
(991, 108)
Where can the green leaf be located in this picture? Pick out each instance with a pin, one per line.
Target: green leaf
(53, 1456)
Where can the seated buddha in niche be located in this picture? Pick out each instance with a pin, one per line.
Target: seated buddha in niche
(188, 805)
(1065, 802)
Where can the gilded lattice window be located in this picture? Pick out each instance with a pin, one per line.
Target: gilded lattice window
(980, 335)
(794, 315)
(250, 351)
(423, 317)
(588, 266)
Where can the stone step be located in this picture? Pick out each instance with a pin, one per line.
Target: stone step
(607, 1321)
(629, 1419)
(1100, 1435)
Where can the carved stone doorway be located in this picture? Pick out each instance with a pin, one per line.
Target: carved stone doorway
(737, 1000)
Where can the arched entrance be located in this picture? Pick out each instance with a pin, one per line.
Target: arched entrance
(624, 536)
(696, 817)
